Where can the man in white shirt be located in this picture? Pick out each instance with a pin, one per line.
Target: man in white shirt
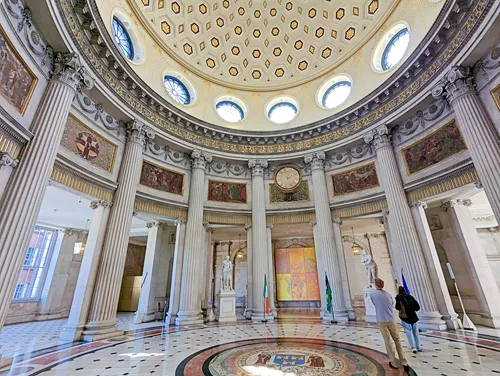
(383, 303)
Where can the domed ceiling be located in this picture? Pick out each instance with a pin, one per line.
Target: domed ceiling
(262, 45)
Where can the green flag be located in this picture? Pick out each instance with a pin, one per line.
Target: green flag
(328, 296)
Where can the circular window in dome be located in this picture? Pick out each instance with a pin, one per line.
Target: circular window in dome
(282, 112)
(122, 39)
(177, 90)
(230, 111)
(336, 94)
(395, 49)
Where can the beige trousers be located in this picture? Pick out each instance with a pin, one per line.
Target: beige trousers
(390, 330)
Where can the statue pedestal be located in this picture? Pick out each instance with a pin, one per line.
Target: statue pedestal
(227, 306)
(369, 307)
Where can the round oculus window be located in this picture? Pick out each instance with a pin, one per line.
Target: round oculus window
(177, 90)
(282, 112)
(395, 49)
(336, 94)
(122, 39)
(229, 111)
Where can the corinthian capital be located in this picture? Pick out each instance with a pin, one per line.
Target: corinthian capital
(379, 137)
(100, 204)
(316, 160)
(69, 69)
(257, 166)
(7, 160)
(199, 159)
(452, 203)
(337, 221)
(138, 132)
(457, 82)
(179, 221)
(418, 204)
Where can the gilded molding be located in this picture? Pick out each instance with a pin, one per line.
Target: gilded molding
(227, 219)
(159, 209)
(10, 146)
(355, 211)
(291, 218)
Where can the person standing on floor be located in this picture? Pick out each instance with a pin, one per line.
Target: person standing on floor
(383, 303)
(408, 306)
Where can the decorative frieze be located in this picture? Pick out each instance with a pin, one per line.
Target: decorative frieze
(165, 210)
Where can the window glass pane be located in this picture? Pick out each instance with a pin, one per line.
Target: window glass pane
(282, 113)
(229, 111)
(122, 39)
(177, 90)
(337, 94)
(396, 49)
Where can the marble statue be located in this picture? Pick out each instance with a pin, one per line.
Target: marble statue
(227, 275)
(370, 266)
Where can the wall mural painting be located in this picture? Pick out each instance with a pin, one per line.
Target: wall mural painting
(162, 179)
(277, 196)
(17, 81)
(360, 178)
(83, 141)
(296, 274)
(434, 148)
(234, 193)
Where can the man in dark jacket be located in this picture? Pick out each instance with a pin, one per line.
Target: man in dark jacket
(408, 307)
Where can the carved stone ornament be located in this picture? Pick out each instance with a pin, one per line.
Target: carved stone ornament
(69, 69)
(270, 226)
(457, 82)
(478, 184)
(452, 203)
(379, 137)
(313, 223)
(258, 166)
(137, 132)
(316, 160)
(199, 159)
(248, 226)
(208, 228)
(417, 204)
(152, 224)
(337, 221)
(179, 221)
(7, 160)
(100, 204)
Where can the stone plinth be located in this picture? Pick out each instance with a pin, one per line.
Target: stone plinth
(369, 307)
(227, 306)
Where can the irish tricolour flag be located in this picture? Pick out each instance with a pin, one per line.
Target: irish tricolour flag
(266, 297)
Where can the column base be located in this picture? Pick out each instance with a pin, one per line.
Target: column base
(71, 333)
(248, 313)
(211, 315)
(453, 322)
(341, 316)
(99, 330)
(431, 321)
(170, 319)
(140, 317)
(260, 316)
(189, 318)
(351, 314)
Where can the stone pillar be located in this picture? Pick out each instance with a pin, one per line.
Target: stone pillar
(443, 298)
(271, 274)
(207, 270)
(194, 256)
(175, 287)
(260, 245)
(7, 165)
(404, 231)
(80, 306)
(102, 318)
(146, 310)
(459, 90)
(250, 289)
(324, 241)
(321, 271)
(476, 262)
(337, 233)
(393, 248)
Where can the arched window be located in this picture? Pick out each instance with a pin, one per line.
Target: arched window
(282, 112)
(395, 49)
(229, 111)
(122, 39)
(177, 90)
(336, 94)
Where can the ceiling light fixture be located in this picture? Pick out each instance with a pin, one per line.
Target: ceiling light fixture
(356, 248)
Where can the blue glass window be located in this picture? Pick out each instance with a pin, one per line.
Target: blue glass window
(122, 39)
(230, 111)
(282, 112)
(336, 94)
(396, 49)
(177, 90)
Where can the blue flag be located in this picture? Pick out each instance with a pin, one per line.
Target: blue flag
(328, 296)
(405, 285)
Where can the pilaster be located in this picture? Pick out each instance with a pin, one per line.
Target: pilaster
(177, 267)
(271, 273)
(250, 288)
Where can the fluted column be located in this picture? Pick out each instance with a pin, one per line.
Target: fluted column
(259, 237)
(194, 256)
(324, 240)
(443, 298)
(207, 269)
(403, 229)
(21, 203)
(337, 222)
(391, 245)
(482, 140)
(250, 290)
(175, 286)
(7, 166)
(271, 274)
(102, 318)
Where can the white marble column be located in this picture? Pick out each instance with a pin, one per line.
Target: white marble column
(337, 233)
(476, 262)
(7, 166)
(146, 310)
(21, 203)
(194, 246)
(207, 271)
(260, 245)
(175, 287)
(443, 298)
(321, 272)
(403, 229)
(102, 322)
(324, 241)
(271, 273)
(391, 246)
(80, 306)
(250, 289)
(459, 90)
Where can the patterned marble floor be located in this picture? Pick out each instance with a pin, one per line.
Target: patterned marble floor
(273, 349)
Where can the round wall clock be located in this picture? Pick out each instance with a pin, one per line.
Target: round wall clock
(287, 178)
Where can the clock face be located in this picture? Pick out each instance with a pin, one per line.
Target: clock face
(287, 178)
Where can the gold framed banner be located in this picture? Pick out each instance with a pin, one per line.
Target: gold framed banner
(225, 191)
(357, 179)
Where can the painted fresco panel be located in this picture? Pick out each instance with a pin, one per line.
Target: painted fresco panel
(301, 194)
(91, 146)
(296, 274)
(436, 147)
(17, 81)
(496, 96)
(233, 193)
(358, 179)
(156, 177)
